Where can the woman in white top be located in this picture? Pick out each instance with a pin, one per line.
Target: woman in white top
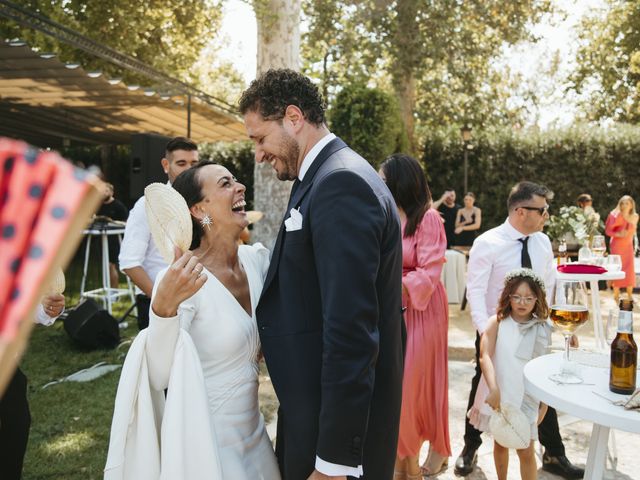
(211, 292)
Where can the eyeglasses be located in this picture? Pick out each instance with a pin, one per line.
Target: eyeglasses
(522, 300)
(540, 210)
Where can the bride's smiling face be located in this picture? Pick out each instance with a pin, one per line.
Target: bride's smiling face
(223, 198)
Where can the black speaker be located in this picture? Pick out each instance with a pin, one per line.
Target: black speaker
(147, 150)
(91, 326)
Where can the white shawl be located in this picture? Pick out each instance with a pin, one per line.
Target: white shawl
(154, 439)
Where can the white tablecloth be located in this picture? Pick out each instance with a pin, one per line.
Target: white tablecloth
(453, 275)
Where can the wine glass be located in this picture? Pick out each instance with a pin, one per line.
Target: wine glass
(598, 246)
(614, 263)
(568, 312)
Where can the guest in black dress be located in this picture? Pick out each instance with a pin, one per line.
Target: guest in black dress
(468, 221)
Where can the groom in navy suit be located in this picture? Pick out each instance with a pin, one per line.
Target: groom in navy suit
(330, 317)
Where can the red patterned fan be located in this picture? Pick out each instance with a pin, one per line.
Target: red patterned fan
(45, 203)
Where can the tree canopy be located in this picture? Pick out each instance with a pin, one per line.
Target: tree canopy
(169, 35)
(436, 55)
(609, 63)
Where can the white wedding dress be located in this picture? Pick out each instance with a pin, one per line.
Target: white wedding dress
(227, 342)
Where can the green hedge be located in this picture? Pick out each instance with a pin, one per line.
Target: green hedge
(604, 162)
(368, 120)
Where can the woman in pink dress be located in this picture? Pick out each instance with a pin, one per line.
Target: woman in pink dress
(425, 402)
(621, 227)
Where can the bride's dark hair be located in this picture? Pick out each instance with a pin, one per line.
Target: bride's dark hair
(189, 186)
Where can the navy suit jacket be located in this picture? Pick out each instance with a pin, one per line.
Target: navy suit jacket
(330, 320)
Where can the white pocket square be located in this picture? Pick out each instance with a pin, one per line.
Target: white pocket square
(294, 222)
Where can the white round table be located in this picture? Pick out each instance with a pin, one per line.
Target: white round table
(581, 401)
(593, 279)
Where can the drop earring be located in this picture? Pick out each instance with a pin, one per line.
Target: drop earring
(206, 221)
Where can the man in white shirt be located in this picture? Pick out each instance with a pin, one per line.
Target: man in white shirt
(15, 418)
(139, 258)
(518, 242)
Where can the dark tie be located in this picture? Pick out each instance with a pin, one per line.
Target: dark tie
(294, 187)
(525, 259)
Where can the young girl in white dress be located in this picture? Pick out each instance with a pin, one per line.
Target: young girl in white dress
(516, 334)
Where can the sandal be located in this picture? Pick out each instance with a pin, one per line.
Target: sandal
(426, 473)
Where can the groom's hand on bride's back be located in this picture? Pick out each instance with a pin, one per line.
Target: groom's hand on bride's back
(183, 278)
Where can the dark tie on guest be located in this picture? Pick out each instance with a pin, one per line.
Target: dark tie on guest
(525, 259)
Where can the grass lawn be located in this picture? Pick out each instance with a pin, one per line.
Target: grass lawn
(71, 421)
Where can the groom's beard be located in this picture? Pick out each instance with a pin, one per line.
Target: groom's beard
(289, 154)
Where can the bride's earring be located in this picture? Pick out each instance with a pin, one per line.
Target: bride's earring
(206, 221)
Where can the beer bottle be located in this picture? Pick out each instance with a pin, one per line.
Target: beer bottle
(624, 353)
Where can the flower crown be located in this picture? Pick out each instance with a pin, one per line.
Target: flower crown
(524, 272)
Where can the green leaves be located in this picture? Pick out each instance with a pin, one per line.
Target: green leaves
(608, 72)
(169, 35)
(368, 119)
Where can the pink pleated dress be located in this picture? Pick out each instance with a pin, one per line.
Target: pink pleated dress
(425, 396)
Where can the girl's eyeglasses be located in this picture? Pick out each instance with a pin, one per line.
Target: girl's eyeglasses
(522, 300)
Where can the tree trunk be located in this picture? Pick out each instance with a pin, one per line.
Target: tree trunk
(406, 58)
(278, 47)
(406, 94)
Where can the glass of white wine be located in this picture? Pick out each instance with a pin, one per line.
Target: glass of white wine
(598, 247)
(569, 312)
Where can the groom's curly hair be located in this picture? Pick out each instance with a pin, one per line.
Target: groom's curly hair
(272, 92)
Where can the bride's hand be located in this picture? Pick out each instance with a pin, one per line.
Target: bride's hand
(183, 279)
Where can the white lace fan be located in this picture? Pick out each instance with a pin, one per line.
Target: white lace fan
(169, 219)
(510, 427)
(58, 283)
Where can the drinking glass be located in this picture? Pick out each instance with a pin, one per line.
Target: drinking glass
(568, 312)
(614, 263)
(598, 246)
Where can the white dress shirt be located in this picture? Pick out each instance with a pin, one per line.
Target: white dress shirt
(328, 468)
(495, 253)
(313, 153)
(138, 248)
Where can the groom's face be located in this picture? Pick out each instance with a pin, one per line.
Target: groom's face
(274, 145)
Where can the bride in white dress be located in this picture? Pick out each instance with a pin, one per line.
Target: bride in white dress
(211, 293)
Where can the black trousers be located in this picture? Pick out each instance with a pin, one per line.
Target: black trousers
(548, 430)
(142, 304)
(15, 420)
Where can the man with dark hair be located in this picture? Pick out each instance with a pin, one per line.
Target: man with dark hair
(448, 209)
(139, 258)
(518, 242)
(329, 316)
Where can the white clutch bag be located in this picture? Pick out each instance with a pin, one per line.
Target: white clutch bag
(510, 427)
